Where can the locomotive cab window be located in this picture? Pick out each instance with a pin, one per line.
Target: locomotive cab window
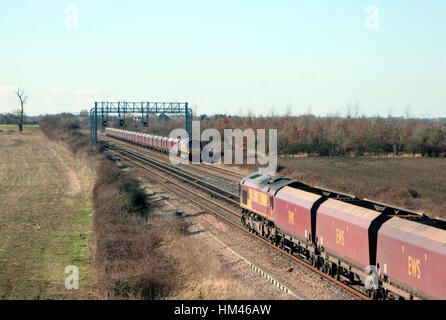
(245, 197)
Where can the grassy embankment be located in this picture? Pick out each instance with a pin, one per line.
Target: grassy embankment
(47, 221)
(45, 217)
(126, 252)
(134, 259)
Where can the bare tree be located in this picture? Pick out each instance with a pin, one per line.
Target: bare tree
(20, 112)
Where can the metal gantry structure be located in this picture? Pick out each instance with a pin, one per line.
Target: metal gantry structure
(102, 109)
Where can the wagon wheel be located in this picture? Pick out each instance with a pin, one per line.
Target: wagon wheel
(281, 245)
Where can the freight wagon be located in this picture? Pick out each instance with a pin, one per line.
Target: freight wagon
(344, 236)
(185, 148)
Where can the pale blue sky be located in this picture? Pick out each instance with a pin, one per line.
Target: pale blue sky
(227, 56)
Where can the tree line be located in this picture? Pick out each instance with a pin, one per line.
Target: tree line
(336, 136)
(324, 136)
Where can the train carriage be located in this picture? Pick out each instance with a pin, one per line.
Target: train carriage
(164, 144)
(149, 140)
(293, 212)
(157, 143)
(413, 255)
(172, 145)
(183, 146)
(141, 139)
(164, 147)
(342, 230)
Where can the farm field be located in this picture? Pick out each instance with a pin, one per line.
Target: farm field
(9, 128)
(412, 183)
(45, 218)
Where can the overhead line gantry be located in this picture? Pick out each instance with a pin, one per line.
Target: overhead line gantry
(104, 108)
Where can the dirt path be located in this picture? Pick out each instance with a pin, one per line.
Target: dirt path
(45, 219)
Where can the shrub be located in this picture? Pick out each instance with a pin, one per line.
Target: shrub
(126, 251)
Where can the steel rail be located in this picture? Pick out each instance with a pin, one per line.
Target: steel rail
(236, 225)
(222, 170)
(176, 183)
(214, 190)
(163, 157)
(207, 166)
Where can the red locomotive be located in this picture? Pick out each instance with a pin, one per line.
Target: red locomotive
(342, 235)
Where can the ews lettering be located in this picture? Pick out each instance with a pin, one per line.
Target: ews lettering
(414, 269)
(340, 237)
(291, 217)
(259, 197)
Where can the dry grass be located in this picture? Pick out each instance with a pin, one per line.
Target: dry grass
(413, 183)
(45, 219)
(126, 256)
(135, 259)
(201, 274)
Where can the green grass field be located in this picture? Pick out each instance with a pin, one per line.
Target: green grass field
(5, 128)
(413, 183)
(45, 218)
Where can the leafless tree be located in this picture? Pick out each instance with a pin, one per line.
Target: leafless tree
(20, 112)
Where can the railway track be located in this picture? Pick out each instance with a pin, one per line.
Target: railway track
(210, 170)
(191, 178)
(229, 215)
(222, 170)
